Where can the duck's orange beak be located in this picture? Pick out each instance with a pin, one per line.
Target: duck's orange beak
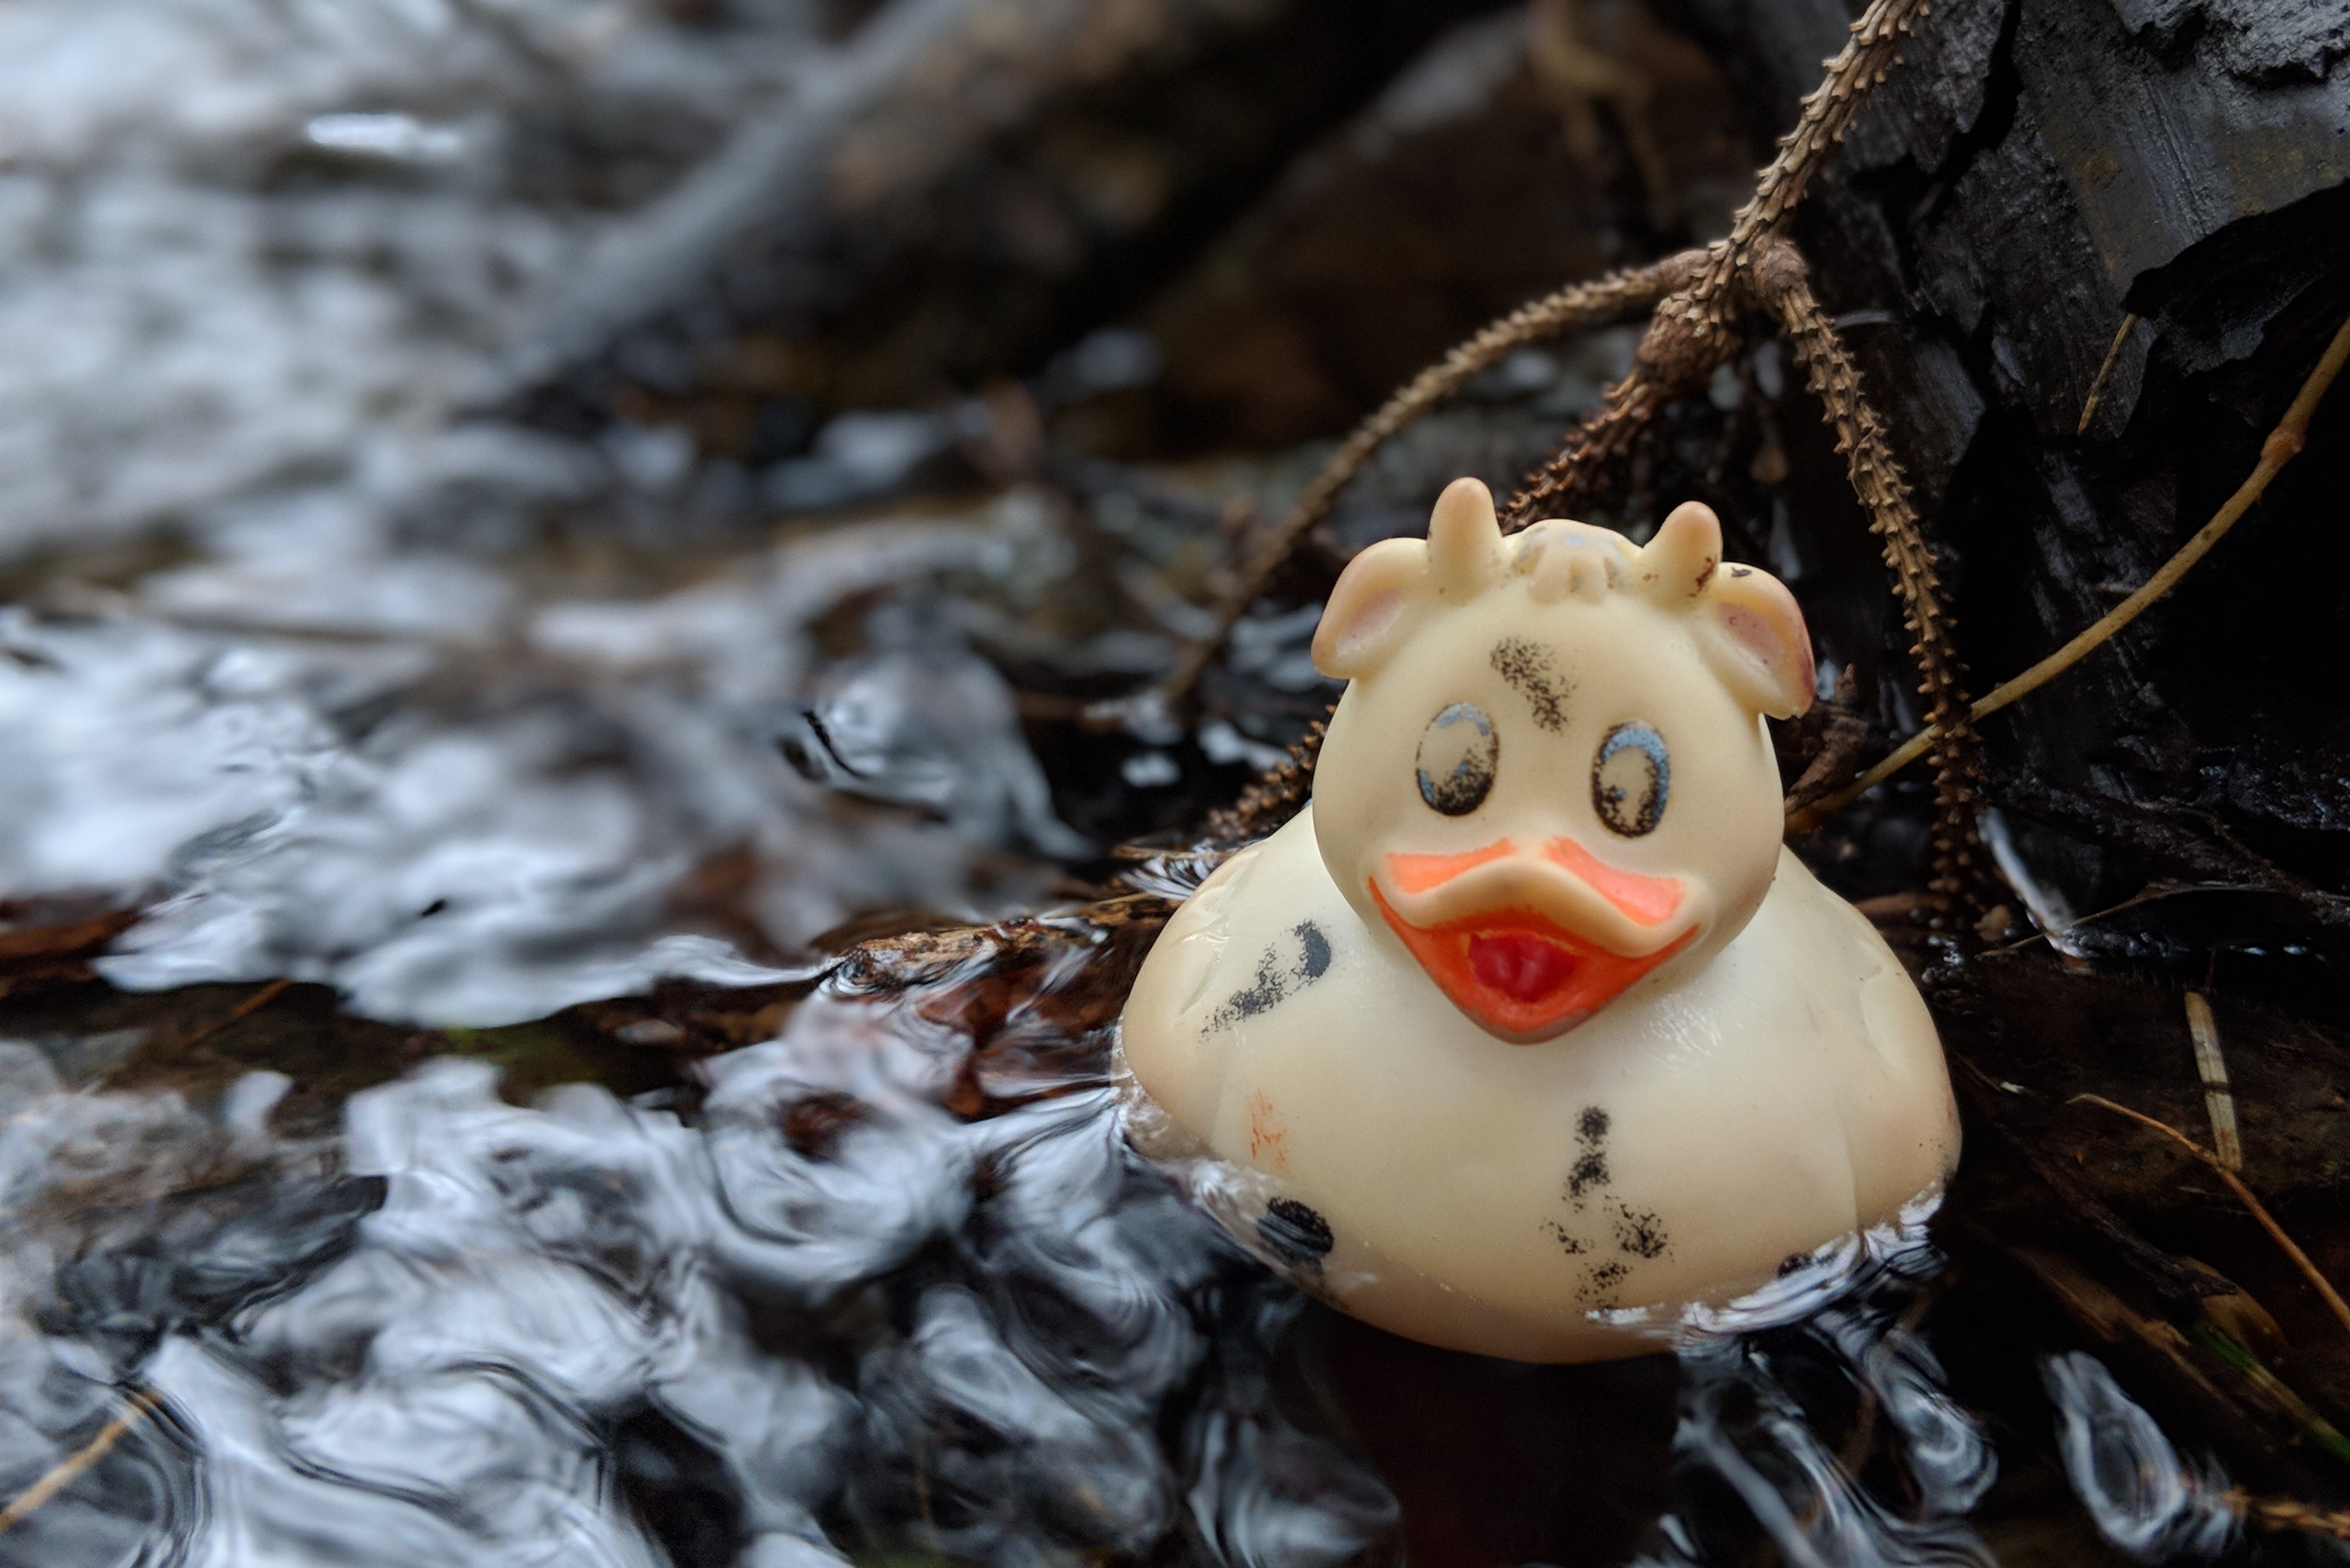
(1530, 945)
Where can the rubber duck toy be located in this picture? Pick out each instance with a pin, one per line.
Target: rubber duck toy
(1530, 1018)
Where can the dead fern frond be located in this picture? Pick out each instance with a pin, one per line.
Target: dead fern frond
(1700, 298)
(1877, 479)
(1694, 329)
(1579, 308)
(1274, 796)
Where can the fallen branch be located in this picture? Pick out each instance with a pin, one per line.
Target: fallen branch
(2282, 445)
(2291, 1247)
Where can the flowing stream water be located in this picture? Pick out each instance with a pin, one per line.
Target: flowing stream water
(337, 682)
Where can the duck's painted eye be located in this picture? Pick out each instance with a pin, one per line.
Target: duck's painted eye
(1630, 779)
(1457, 756)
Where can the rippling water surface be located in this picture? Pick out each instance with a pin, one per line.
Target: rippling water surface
(810, 1313)
(332, 675)
(821, 1315)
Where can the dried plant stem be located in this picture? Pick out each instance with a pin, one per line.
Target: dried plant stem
(2290, 1513)
(65, 1471)
(2283, 445)
(1273, 798)
(1872, 48)
(2291, 1247)
(1693, 329)
(1690, 334)
(1685, 341)
(1698, 296)
(2097, 384)
(240, 1011)
(1578, 307)
(1878, 480)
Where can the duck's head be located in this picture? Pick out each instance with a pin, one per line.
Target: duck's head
(1549, 780)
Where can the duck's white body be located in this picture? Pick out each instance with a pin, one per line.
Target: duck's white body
(1531, 1022)
(1493, 1196)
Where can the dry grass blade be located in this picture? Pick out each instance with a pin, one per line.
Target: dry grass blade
(2258, 1211)
(2282, 445)
(2211, 1067)
(1578, 307)
(65, 1471)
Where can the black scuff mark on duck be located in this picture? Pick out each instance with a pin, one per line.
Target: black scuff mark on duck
(1533, 669)
(1573, 1245)
(1640, 1233)
(1278, 977)
(1589, 1171)
(1599, 1286)
(1295, 1233)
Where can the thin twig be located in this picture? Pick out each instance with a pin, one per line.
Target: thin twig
(2097, 384)
(63, 1472)
(2283, 445)
(1686, 340)
(1578, 307)
(2243, 1195)
(1872, 49)
(242, 1010)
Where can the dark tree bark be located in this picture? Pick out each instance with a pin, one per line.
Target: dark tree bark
(2144, 201)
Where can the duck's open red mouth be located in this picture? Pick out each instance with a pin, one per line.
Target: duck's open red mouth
(1519, 973)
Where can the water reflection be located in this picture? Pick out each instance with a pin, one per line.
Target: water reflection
(455, 835)
(819, 1315)
(2145, 1499)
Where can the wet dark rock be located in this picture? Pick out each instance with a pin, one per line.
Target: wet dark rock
(2035, 174)
(1014, 173)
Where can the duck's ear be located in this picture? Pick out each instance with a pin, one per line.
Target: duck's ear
(1761, 648)
(1369, 610)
